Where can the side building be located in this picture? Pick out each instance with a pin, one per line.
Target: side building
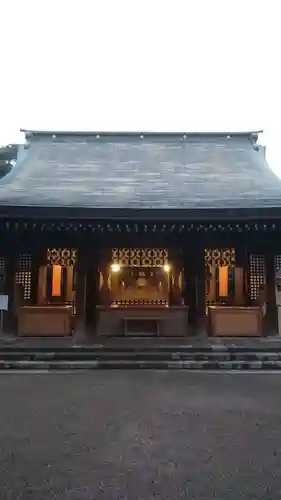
(166, 234)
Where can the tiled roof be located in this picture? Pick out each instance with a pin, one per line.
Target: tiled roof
(135, 171)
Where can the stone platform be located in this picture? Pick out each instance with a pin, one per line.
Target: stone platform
(196, 342)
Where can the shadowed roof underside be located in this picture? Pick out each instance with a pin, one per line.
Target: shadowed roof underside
(141, 171)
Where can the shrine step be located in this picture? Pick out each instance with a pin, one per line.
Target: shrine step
(39, 346)
(136, 365)
(137, 356)
(93, 359)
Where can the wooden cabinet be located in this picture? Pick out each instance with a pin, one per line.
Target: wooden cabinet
(45, 321)
(231, 321)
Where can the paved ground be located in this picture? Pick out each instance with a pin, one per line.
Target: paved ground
(140, 435)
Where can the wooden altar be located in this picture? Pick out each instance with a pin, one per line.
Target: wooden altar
(141, 293)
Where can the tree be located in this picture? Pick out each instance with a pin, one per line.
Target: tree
(8, 157)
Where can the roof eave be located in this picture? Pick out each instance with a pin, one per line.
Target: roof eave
(107, 133)
(196, 214)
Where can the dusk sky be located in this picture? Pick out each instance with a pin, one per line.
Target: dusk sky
(149, 66)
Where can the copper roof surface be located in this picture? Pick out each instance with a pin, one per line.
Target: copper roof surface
(141, 171)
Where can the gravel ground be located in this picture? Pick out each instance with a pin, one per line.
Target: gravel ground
(140, 435)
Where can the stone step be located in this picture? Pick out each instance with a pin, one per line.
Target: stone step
(137, 364)
(138, 356)
(185, 348)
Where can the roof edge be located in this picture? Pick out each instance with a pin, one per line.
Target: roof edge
(195, 214)
(77, 133)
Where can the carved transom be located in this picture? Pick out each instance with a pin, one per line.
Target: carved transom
(61, 257)
(140, 257)
(220, 257)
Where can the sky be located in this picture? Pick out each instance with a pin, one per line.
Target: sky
(149, 65)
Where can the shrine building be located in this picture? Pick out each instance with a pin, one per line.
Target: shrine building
(141, 234)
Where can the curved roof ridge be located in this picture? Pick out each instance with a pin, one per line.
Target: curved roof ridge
(136, 133)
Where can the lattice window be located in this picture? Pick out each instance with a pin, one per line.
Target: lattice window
(2, 270)
(24, 276)
(220, 257)
(25, 261)
(277, 264)
(256, 274)
(140, 257)
(61, 256)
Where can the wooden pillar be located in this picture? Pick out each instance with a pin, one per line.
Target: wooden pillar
(10, 323)
(239, 286)
(189, 290)
(42, 285)
(201, 292)
(194, 293)
(105, 292)
(38, 259)
(271, 326)
(114, 285)
(171, 287)
(91, 289)
(241, 274)
(211, 282)
(80, 296)
(34, 278)
(174, 283)
(69, 283)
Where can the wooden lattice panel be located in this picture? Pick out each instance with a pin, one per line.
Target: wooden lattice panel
(220, 257)
(140, 257)
(256, 274)
(61, 257)
(24, 261)
(2, 270)
(277, 264)
(24, 276)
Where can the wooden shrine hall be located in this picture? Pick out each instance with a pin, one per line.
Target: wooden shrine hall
(141, 234)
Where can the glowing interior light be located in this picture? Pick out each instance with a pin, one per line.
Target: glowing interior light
(167, 268)
(115, 268)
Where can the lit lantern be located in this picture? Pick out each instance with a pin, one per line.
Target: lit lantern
(115, 268)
